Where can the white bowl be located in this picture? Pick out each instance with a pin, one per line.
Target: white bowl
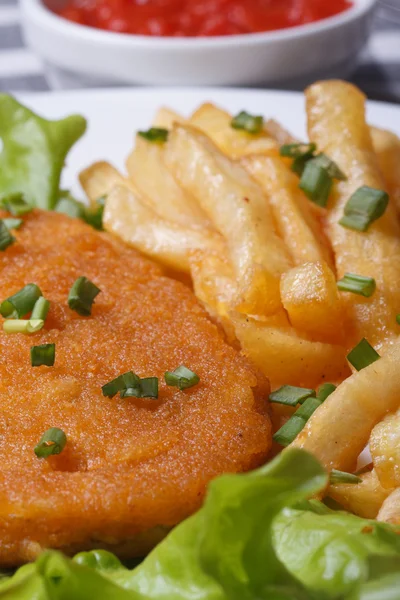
(79, 56)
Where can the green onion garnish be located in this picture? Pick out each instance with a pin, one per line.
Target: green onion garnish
(40, 309)
(398, 319)
(130, 385)
(131, 393)
(15, 204)
(325, 390)
(343, 477)
(6, 239)
(301, 154)
(289, 431)
(21, 303)
(364, 207)
(44, 354)
(362, 355)
(52, 442)
(23, 325)
(357, 284)
(148, 388)
(82, 295)
(155, 134)
(291, 395)
(12, 223)
(316, 182)
(122, 382)
(247, 122)
(182, 378)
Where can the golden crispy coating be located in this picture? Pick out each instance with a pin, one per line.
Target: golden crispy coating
(130, 465)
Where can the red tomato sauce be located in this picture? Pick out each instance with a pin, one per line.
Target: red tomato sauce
(195, 18)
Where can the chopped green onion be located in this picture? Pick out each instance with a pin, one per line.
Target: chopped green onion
(6, 239)
(125, 381)
(247, 122)
(155, 134)
(129, 384)
(12, 223)
(364, 207)
(82, 295)
(41, 309)
(325, 390)
(53, 441)
(301, 154)
(291, 395)
(23, 325)
(357, 284)
(343, 477)
(15, 204)
(21, 303)
(182, 378)
(148, 388)
(316, 182)
(362, 355)
(67, 205)
(134, 392)
(330, 166)
(44, 354)
(398, 319)
(289, 431)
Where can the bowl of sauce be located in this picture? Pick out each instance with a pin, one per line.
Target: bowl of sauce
(275, 43)
(199, 18)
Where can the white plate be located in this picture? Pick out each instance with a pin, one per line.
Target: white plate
(114, 115)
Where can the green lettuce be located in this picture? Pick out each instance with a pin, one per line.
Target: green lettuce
(257, 537)
(33, 152)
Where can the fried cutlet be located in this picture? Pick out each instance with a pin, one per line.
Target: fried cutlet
(131, 468)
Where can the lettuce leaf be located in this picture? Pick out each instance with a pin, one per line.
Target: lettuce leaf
(33, 151)
(257, 537)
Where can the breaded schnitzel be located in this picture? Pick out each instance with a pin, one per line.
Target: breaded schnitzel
(131, 467)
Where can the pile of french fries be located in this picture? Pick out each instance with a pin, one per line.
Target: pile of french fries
(221, 208)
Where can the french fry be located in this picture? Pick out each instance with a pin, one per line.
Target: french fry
(309, 294)
(239, 211)
(216, 123)
(336, 123)
(99, 179)
(287, 358)
(147, 170)
(165, 118)
(387, 148)
(390, 511)
(214, 285)
(126, 216)
(363, 499)
(279, 133)
(213, 281)
(339, 429)
(294, 214)
(385, 450)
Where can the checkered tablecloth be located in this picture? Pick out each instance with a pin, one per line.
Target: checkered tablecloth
(378, 72)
